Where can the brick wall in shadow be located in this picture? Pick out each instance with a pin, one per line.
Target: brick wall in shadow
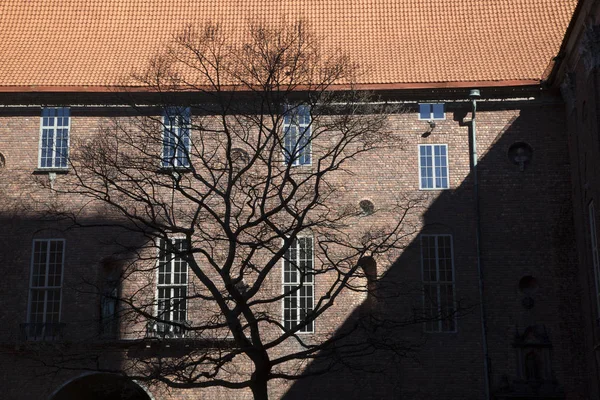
(526, 230)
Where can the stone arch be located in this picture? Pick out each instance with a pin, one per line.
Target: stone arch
(101, 386)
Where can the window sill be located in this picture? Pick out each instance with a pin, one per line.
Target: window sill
(170, 170)
(432, 119)
(42, 171)
(299, 165)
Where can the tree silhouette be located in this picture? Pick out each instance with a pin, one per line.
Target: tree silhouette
(224, 187)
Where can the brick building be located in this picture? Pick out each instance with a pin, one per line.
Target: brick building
(510, 275)
(576, 73)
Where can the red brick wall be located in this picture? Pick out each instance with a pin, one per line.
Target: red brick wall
(526, 230)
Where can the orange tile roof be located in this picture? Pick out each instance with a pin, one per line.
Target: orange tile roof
(74, 44)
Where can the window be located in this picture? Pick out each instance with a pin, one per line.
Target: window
(109, 307)
(298, 284)
(176, 138)
(45, 286)
(431, 111)
(172, 289)
(594, 246)
(54, 139)
(297, 135)
(433, 166)
(438, 283)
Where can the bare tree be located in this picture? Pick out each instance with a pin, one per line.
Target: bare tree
(230, 169)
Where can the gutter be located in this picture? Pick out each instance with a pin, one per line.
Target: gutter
(474, 94)
(501, 83)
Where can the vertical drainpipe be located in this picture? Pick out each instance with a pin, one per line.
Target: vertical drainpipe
(474, 95)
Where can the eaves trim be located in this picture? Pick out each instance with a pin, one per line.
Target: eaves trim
(366, 86)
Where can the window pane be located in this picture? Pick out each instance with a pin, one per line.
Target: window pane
(438, 111)
(304, 146)
(438, 282)
(425, 111)
(54, 140)
(46, 148)
(290, 264)
(447, 307)
(426, 170)
(298, 267)
(434, 166)
(176, 137)
(297, 135)
(46, 281)
(290, 139)
(172, 285)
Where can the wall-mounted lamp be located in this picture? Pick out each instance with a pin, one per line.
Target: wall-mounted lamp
(432, 126)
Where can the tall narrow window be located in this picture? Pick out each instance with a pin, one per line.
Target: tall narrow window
(438, 283)
(108, 307)
(172, 289)
(54, 138)
(431, 111)
(45, 289)
(594, 246)
(298, 284)
(297, 135)
(433, 166)
(176, 138)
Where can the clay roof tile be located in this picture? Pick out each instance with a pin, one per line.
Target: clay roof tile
(75, 43)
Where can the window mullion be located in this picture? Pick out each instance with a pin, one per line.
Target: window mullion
(45, 291)
(54, 138)
(437, 259)
(439, 306)
(300, 278)
(175, 133)
(172, 288)
(178, 143)
(438, 280)
(46, 270)
(171, 304)
(47, 265)
(434, 183)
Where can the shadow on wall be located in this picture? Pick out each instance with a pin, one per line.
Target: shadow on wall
(526, 230)
(101, 387)
(81, 334)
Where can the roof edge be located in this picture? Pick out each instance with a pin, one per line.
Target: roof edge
(559, 62)
(365, 86)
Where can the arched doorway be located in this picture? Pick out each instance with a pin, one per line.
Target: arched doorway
(101, 387)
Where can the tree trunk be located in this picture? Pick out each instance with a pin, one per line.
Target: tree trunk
(259, 389)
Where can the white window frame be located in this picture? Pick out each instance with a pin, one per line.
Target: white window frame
(433, 167)
(303, 128)
(45, 288)
(54, 127)
(431, 117)
(171, 328)
(179, 115)
(438, 284)
(309, 329)
(595, 256)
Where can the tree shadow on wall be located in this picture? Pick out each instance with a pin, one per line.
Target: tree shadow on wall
(525, 229)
